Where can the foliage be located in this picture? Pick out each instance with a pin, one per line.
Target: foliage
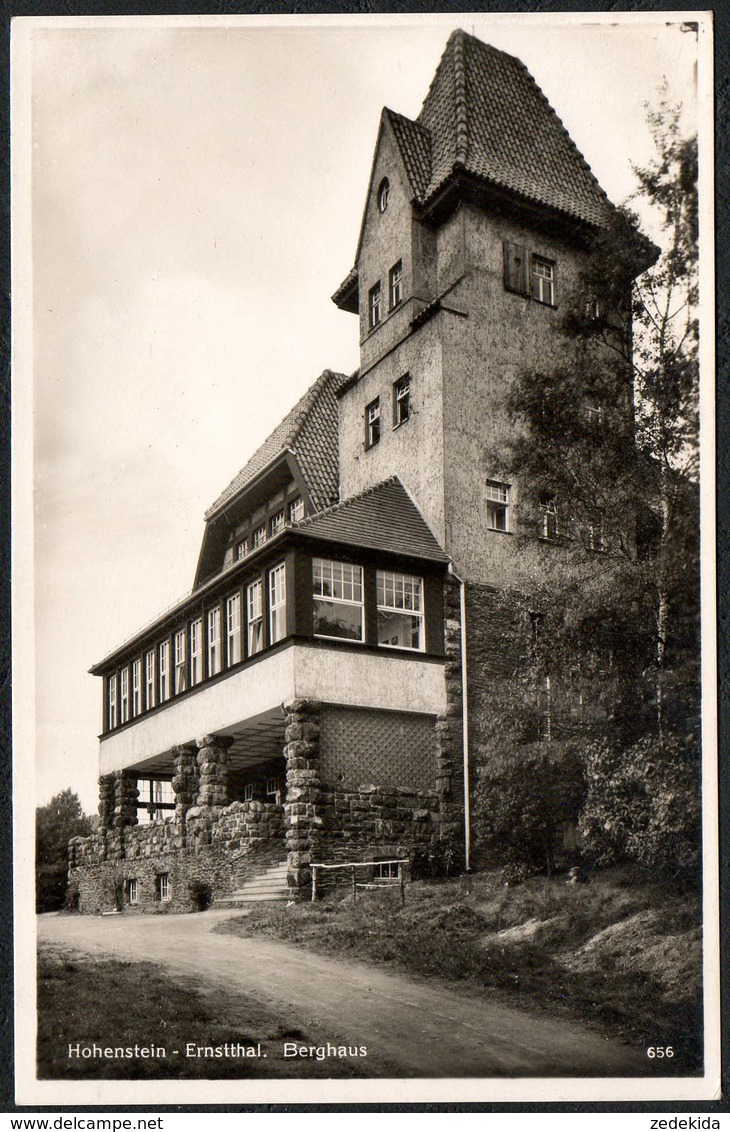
(58, 821)
(522, 803)
(643, 804)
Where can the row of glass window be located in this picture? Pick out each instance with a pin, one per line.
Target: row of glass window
(258, 536)
(549, 524)
(172, 666)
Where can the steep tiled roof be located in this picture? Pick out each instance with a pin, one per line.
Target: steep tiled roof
(486, 115)
(414, 143)
(309, 430)
(381, 518)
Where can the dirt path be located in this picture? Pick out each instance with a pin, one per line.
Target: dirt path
(411, 1027)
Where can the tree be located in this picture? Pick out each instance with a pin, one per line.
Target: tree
(606, 444)
(56, 823)
(605, 450)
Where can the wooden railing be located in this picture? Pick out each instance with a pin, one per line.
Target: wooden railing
(372, 883)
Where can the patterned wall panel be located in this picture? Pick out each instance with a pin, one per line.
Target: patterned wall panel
(360, 746)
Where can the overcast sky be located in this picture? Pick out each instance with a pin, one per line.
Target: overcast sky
(196, 198)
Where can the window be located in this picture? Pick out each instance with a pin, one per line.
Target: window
(181, 672)
(372, 423)
(338, 601)
(528, 274)
(497, 506)
(401, 401)
(548, 519)
(163, 886)
(255, 618)
(296, 510)
(164, 671)
(259, 536)
(277, 604)
(196, 652)
(383, 194)
(395, 284)
(156, 798)
(149, 679)
(124, 697)
(276, 522)
(386, 870)
(242, 549)
(132, 896)
(593, 536)
(233, 629)
(273, 789)
(112, 691)
(136, 687)
(594, 413)
(248, 792)
(400, 610)
(543, 281)
(374, 306)
(214, 641)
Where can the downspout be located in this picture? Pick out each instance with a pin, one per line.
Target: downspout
(464, 720)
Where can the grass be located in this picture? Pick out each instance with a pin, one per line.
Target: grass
(120, 1004)
(451, 930)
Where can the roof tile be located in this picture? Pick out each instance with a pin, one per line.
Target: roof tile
(383, 517)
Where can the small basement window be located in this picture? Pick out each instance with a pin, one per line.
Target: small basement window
(386, 870)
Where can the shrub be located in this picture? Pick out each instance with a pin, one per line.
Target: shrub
(522, 803)
(643, 804)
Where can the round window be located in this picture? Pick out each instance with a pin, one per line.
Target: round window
(383, 194)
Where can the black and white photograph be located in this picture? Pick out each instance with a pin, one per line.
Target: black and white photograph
(363, 556)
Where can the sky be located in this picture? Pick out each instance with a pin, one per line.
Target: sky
(195, 197)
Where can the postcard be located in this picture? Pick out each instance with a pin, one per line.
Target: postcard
(365, 738)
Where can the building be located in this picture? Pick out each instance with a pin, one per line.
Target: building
(305, 703)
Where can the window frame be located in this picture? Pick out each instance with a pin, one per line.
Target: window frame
(180, 661)
(375, 305)
(549, 520)
(112, 718)
(383, 195)
(214, 651)
(136, 688)
(540, 285)
(395, 285)
(419, 613)
(124, 694)
(132, 891)
(162, 884)
(234, 644)
(241, 549)
(163, 671)
(277, 603)
(373, 423)
(277, 522)
(498, 503)
(259, 536)
(338, 600)
(296, 509)
(401, 396)
(197, 673)
(254, 621)
(150, 678)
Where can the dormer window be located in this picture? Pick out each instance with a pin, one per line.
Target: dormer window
(383, 194)
(374, 306)
(395, 284)
(296, 510)
(372, 423)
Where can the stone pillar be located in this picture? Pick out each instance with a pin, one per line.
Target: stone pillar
(213, 765)
(106, 803)
(302, 816)
(185, 781)
(125, 812)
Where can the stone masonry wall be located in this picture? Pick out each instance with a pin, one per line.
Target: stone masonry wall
(217, 848)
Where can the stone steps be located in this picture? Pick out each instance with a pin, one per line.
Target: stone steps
(269, 885)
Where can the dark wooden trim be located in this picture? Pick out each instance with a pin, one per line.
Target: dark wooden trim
(433, 599)
(370, 597)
